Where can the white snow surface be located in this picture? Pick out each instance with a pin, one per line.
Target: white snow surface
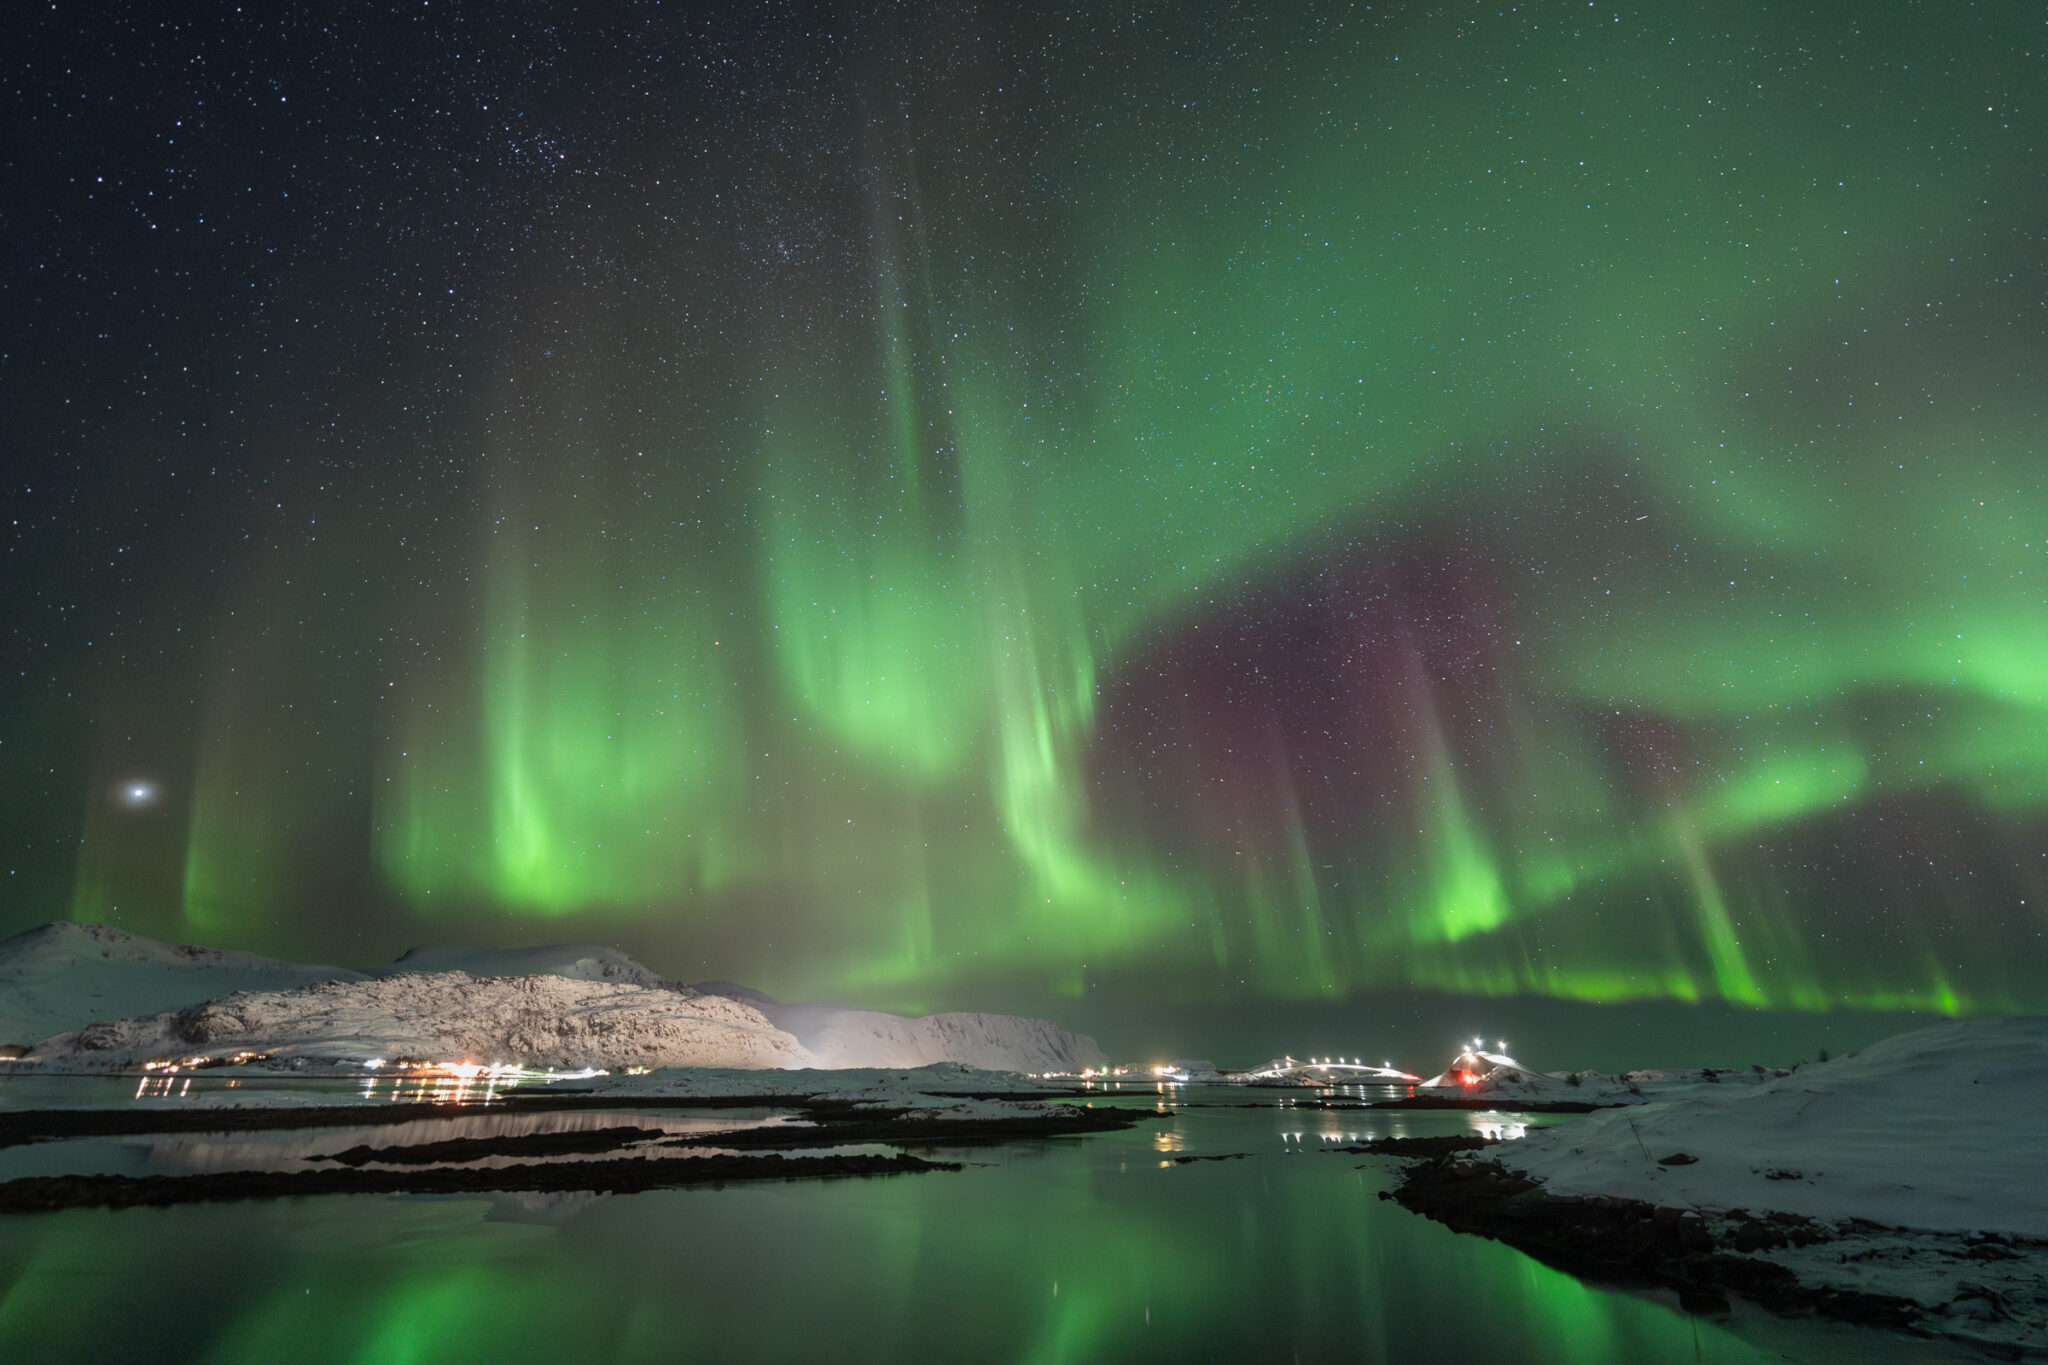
(840, 1037)
(1937, 1130)
(576, 961)
(862, 1084)
(535, 1021)
(865, 1038)
(947, 1092)
(63, 975)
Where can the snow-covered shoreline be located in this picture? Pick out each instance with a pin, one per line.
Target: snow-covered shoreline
(1903, 1179)
(1935, 1129)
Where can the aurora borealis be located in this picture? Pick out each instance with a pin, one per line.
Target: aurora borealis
(917, 505)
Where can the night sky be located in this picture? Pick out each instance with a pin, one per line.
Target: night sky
(1099, 511)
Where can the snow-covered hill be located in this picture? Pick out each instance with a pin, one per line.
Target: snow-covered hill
(576, 961)
(1935, 1129)
(1900, 1183)
(999, 1042)
(453, 1017)
(63, 975)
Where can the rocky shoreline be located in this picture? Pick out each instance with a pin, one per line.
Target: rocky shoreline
(624, 1175)
(1998, 1281)
(1492, 1104)
(435, 1167)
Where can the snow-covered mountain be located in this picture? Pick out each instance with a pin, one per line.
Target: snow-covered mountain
(840, 1037)
(576, 961)
(65, 974)
(539, 1020)
(63, 977)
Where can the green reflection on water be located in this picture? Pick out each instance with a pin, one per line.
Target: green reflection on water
(1075, 1250)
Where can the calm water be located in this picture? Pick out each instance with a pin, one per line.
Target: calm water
(1084, 1249)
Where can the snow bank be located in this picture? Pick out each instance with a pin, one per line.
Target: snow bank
(1936, 1130)
(64, 975)
(537, 1021)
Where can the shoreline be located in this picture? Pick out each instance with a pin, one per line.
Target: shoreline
(1774, 1258)
(625, 1175)
(833, 1121)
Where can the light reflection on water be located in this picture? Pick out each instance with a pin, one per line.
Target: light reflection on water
(1075, 1249)
(291, 1149)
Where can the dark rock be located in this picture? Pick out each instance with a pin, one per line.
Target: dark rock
(1704, 1303)
(1503, 1103)
(214, 1019)
(625, 1175)
(473, 1149)
(1419, 1146)
(99, 1037)
(1630, 1241)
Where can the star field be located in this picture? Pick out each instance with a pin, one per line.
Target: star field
(912, 503)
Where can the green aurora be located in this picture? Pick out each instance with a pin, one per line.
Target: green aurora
(1536, 503)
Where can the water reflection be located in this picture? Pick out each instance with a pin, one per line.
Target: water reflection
(1062, 1250)
(294, 1149)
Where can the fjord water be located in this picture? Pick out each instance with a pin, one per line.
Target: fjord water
(1083, 1249)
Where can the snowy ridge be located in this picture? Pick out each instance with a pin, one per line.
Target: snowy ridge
(868, 1038)
(576, 961)
(66, 974)
(1936, 1129)
(993, 1042)
(537, 1021)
